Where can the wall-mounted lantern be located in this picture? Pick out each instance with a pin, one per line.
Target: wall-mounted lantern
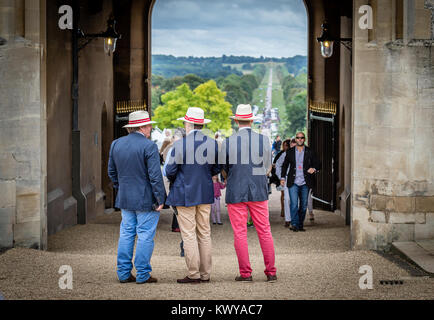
(110, 37)
(327, 41)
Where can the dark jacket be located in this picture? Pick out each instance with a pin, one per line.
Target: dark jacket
(310, 161)
(134, 168)
(191, 184)
(246, 177)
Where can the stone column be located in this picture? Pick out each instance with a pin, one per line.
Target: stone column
(22, 123)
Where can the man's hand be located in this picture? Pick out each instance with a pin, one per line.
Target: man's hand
(311, 170)
(160, 208)
(282, 183)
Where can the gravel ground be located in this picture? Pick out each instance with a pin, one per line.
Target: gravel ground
(317, 264)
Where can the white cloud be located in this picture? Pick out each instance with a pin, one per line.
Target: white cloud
(247, 27)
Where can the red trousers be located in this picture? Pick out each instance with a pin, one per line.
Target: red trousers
(238, 214)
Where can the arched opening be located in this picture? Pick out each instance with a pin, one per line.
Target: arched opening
(255, 52)
(329, 84)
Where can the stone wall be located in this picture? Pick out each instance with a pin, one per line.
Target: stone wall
(393, 127)
(22, 125)
(95, 108)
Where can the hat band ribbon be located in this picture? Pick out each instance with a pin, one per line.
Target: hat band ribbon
(139, 121)
(244, 115)
(194, 119)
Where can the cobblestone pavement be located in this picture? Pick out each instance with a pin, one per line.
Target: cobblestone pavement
(317, 264)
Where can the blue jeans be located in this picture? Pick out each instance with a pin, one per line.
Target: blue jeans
(298, 212)
(144, 225)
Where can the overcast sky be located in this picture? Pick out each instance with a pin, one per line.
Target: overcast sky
(271, 28)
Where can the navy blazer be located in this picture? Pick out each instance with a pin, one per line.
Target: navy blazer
(134, 168)
(248, 159)
(190, 177)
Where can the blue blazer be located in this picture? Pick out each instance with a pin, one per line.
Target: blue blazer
(134, 168)
(192, 181)
(248, 159)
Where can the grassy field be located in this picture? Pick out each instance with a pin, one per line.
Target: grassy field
(278, 100)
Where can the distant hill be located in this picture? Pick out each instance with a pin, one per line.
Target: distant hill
(170, 66)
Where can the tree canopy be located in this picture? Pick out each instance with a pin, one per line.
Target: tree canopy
(206, 96)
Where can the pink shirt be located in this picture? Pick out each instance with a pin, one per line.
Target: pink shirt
(217, 187)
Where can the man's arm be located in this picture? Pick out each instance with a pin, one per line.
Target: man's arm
(267, 155)
(285, 166)
(154, 172)
(172, 166)
(112, 170)
(316, 164)
(279, 164)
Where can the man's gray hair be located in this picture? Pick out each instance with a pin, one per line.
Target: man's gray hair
(179, 133)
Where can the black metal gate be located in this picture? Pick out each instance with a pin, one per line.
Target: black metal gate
(123, 109)
(322, 117)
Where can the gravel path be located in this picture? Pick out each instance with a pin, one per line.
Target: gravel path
(316, 264)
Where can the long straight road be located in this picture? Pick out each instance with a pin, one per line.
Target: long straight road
(266, 122)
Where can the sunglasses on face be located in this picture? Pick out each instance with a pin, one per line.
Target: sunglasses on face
(300, 138)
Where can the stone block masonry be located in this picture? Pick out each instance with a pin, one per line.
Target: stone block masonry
(22, 121)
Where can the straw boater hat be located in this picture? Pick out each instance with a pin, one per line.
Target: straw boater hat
(195, 116)
(139, 119)
(244, 113)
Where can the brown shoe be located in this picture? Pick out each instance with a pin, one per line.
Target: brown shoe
(287, 224)
(271, 279)
(150, 280)
(130, 279)
(188, 280)
(240, 278)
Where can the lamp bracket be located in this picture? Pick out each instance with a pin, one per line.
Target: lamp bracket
(87, 38)
(347, 42)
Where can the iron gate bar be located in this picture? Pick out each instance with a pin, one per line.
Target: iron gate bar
(323, 201)
(314, 117)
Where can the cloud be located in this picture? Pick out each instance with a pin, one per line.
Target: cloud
(273, 28)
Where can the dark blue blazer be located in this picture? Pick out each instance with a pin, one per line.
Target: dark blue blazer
(248, 159)
(134, 168)
(192, 181)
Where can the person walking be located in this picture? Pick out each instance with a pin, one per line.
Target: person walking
(280, 159)
(302, 164)
(247, 164)
(276, 179)
(134, 168)
(276, 145)
(178, 134)
(215, 208)
(192, 193)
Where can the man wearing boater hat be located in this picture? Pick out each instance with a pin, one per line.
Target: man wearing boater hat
(134, 168)
(192, 164)
(247, 163)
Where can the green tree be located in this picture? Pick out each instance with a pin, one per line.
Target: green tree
(175, 105)
(235, 95)
(212, 100)
(193, 81)
(206, 96)
(296, 113)
(157, 80)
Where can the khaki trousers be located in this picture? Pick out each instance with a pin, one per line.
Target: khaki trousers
(196, 234)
